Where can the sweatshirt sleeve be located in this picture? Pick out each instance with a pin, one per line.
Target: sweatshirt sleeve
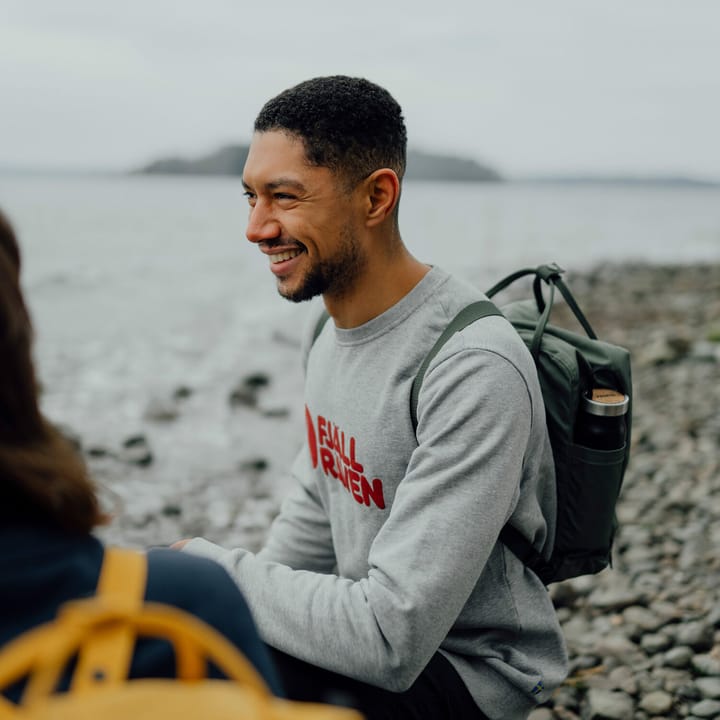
(204, 589)
(461, 486)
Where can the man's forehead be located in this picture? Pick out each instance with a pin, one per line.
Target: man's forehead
(278, 158)
(270, 142)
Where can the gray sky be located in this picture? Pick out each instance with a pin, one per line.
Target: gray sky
(530, 86)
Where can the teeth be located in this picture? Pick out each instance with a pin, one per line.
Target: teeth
(282, 256)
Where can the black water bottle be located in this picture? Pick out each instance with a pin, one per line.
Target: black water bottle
(601, 423)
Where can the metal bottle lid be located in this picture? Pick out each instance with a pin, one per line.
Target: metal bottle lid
(606, 402)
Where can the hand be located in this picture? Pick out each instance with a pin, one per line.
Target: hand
(180, 544)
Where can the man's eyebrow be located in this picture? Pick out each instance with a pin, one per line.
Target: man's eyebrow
(280, 182)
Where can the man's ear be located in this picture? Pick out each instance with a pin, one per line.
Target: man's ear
(383, 194)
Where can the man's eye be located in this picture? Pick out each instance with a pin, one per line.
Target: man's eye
(284, 196)
(250, 197)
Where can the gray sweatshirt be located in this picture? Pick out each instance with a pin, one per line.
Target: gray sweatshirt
(386, 550)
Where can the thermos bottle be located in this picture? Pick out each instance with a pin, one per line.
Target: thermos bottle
(601, 424)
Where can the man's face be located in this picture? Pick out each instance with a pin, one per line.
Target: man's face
(302, 219)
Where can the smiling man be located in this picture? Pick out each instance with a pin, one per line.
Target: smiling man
(383, 581)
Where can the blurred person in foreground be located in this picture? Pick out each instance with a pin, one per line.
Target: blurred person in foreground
(382, 577)
(49, 507)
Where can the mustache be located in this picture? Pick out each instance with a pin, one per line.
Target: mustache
(281, 242)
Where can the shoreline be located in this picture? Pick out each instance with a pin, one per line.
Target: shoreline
(643, 637)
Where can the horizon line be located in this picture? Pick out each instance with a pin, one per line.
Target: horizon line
(575, 176)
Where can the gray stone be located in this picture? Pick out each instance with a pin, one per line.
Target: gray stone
(564, 714)
(615, 646)
(608, 705)
(706, 709)
(698, 635)
(642, 617)
(182, 392)
(276, 412)
(656, 352)
(672, 679)
(705, 350)
(243, 396)
(709, 687)
(98, 451)
(679, 656)
(246, 392)
(657, 703)
(705, 664)
(616, 598)
(567, 696)
(649, 681)
(161, 410)
(563, 594)
(689, 692)
(540, 714)
(714, 617)
(653, 643)
(694, 549)
(136, 451)
(623, 678)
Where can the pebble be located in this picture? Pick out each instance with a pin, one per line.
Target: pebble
(705, 664)
(709, 687)
(136, 451)
(654, 643)
(161, 410)
(657, 703)
(706, 709)
(679, 656)
(698, 635)
(608, 705)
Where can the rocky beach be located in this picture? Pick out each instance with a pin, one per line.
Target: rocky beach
(644, 636)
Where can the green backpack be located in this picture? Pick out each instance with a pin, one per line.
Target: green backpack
(569, 366)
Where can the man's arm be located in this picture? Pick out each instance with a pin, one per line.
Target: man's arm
(461, 486)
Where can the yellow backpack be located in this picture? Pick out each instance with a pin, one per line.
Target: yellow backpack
(102, 632)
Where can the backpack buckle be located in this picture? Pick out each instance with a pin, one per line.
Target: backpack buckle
(550, 272)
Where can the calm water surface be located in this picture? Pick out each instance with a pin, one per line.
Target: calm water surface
(140, 284)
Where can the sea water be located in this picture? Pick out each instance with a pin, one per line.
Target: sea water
(140, 285)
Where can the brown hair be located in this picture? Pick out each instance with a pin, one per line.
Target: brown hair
(42, 477)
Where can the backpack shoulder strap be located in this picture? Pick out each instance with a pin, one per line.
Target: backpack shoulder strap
(516, 542)
(467, 316)
(523, 549)
(123, 576)
(107, 653)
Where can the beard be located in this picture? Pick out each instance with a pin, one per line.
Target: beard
(334, 276)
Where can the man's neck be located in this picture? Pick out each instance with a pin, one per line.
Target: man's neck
(385, 282)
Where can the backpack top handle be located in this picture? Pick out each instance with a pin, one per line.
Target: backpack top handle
(551, 275)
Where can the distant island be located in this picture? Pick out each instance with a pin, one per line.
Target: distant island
(630, 180)
(230, 160)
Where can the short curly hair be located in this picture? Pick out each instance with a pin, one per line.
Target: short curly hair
(348, 125)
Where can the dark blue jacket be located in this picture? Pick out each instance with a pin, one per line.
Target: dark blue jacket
(41, 568)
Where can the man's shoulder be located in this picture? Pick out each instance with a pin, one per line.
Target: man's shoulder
(492, 334)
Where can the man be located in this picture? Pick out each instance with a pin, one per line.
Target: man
(382, 578)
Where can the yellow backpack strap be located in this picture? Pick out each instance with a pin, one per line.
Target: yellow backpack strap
(106, 654)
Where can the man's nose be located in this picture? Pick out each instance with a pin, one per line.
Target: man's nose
(262, 225)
